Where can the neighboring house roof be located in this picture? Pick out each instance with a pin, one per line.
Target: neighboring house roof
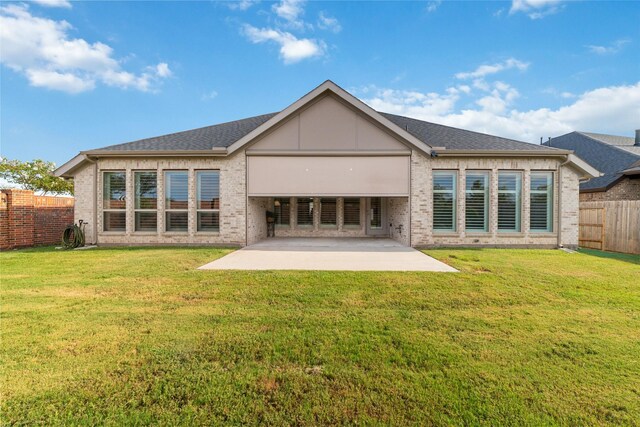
(606, 153)
(634, 169)
(625, 143)
(225, 138)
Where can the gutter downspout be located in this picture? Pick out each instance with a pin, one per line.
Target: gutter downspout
(560, 200)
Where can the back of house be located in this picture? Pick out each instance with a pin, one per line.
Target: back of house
(328, 165)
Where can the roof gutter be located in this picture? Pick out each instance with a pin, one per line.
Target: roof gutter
(443, 152)
(213, 152)
(90, 156)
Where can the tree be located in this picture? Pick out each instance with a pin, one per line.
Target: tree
(36, 175)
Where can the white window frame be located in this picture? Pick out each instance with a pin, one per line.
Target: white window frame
(485, 192)
(549, 192)
(518, 193)
(167, 191)
(135, 198)
(454, 207)
(109, 210)
(198, 192)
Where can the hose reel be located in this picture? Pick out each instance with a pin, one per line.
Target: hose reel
(73, 235)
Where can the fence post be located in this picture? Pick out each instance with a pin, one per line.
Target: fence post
(602, 229)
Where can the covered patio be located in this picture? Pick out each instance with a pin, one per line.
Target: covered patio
(332, 254)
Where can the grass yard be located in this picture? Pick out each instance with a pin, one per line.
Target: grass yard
(138, 336)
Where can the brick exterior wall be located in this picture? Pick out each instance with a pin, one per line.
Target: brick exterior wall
(422, 233)
(257, 219)
(232, 201)
(398, 215)
(84, 187)
(626, 189)
(242, 219)
(29, 220)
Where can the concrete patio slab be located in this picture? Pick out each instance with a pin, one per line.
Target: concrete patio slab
(336, 254)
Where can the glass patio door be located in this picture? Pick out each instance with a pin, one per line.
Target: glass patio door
(376, 216)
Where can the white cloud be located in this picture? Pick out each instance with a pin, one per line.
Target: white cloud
(553, 91)
(209, 95)
(240, 4)
(289, 20)
(65, 82)
(432, 6)
(54, 3)
(291, 11)
(411, 103)
(162, 70)
(614, 47)
(613, 109)
(485, 70)
(292, 49)
(535, 9)
(326, 22)
(42, 50)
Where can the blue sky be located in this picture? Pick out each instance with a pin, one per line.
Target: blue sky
(83, 75)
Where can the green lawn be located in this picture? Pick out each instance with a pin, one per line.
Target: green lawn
(138, 336)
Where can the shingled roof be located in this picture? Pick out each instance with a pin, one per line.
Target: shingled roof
(602, 153)
(224, 134)
(458, 139)
(206, 138)
(625, 143)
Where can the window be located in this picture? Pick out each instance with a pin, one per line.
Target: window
(541, 213)
(176, 190)
(208, 200)
(352, 212)
(305, 212)
(477, 201)
(146, 201)
(282, 210)
(444, 200)
(509, 194)
(329, 212)
(114, 202)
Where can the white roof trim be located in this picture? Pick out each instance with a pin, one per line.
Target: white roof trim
(345, 96)
(63, 170)
(584, 167)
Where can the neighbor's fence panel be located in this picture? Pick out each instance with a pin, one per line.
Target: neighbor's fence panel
(30, 220)
(611, 225)
(592, 228)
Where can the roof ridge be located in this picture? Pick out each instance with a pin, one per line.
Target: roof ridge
(629, 139)
(617, 147)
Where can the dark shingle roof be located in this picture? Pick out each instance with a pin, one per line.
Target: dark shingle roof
(225, 134)
(457, 139)
(607, 158)
(625, 143)
(206, 138)
(610, 139)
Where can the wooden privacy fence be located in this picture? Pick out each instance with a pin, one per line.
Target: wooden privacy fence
(611, 226)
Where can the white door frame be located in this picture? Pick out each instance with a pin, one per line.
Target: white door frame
(383, 230)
